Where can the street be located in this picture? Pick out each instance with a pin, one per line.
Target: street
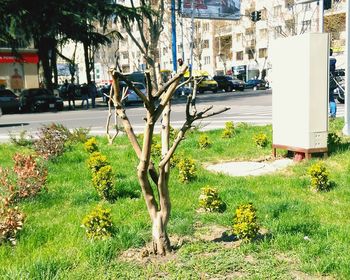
(249, 106)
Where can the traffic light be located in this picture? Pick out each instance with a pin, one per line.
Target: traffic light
(255, 16)
(327, 4)
(258, 15)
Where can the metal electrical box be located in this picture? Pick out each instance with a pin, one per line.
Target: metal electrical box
(300, 93)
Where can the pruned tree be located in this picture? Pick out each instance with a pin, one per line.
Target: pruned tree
(154, 181)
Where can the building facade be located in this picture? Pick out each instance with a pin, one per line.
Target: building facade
(239, 47)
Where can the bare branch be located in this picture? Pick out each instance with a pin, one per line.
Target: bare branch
(212, 114)
(131, 86)
(172, 80)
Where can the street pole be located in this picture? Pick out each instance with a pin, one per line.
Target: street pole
(173, 35)
(321, 19)
(346, 129)
(192, 34)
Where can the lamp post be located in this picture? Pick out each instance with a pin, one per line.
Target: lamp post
(346, 129)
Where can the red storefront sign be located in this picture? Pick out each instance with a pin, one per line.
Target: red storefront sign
(7, 57)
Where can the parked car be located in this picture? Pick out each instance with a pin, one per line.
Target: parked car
(9, 102)
(227, 83)
(255, 84)
(131, 95)
(206, 82)
(39, 99)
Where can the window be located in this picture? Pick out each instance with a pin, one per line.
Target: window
(307, 7)
(263, 53)
(263, 33)
(306, 25)
(250, 52)
(263, 14)
(290, 26)
(277, 31)
(239, 37)
(239, 55)
(277, 10)
(207, 60)
(206, 26)
(205, 44)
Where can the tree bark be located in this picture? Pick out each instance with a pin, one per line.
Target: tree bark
(161, 242)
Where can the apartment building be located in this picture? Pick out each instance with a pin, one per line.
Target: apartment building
(240, 47)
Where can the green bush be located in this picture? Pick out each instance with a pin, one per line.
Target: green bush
(204, 141)
(209, 200)
(11, 222)
(96, 161)
(51, 140)
(187, 170)
(156, 150)
(91, 145)
(319, 177)
(245, 224)
(333, 139)
(229, 130)
(103, 182)
(79, 135)
(98, 224)
(260, 140)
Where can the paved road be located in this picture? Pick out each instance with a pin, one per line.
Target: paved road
(248, 106)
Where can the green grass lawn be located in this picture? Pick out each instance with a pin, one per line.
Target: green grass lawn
(308, 232)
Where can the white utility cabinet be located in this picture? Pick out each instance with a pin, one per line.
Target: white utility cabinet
(300, 93)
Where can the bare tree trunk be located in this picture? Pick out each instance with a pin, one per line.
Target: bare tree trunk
(161, 242)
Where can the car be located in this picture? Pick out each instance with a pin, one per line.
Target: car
(9, 102)
(228, 83)
(39, 99)
(183, 91)
(255, 84)
(131, 95)
(206, 83)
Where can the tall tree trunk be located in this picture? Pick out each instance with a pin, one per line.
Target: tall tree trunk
(87, 61)
(161, 242)
(54, 66)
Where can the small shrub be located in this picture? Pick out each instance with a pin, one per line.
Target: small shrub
(209, 200)
(319, 177)
(51, 140)
(229, 130)
(333, 139)
(27, 179)
(79, 135)
(31, 175)
(91, 145)
(22, 140)
(245, 224)
(175, 159)
(96, 161)
(156, 150)
(187, 170)
(98, 224)
(204, 141)
(242, 125)
(11, 222)
(103, 182)
(260, 140)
